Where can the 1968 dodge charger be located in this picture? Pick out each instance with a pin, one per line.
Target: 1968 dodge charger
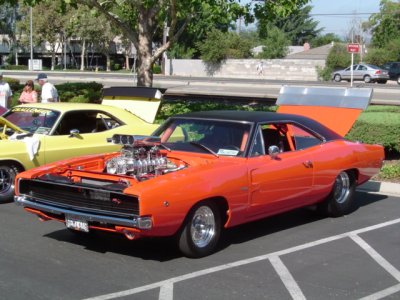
(204, 171)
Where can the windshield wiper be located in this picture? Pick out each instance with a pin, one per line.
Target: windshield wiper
(204, 147)
(166, 148)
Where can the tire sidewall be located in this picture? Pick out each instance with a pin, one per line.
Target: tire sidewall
(7, 196)
(185, 242)
(367, 79)
(332, 208)
(337, 78)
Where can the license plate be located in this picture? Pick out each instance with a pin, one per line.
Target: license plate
(76, 223)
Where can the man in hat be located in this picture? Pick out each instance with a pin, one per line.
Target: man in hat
(5, 93)
(49, 91)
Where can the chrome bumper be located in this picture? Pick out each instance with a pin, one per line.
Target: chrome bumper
(136, 221)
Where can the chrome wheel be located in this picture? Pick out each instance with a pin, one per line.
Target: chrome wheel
(6, 180)
(202, 229)
(367, 79)
(341, 189)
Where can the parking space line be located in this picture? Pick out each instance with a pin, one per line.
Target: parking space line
(195, 274)
(384, 293)
(377, 257)
(166, 292)
(287, 278)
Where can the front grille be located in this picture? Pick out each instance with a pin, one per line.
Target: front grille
(79, 197)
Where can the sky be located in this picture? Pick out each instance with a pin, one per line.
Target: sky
(340, 24)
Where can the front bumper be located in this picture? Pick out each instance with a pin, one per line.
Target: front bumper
(58, 213)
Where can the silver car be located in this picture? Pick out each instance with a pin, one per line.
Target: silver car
(366, 72)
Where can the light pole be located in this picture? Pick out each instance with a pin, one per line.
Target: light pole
(31, 40)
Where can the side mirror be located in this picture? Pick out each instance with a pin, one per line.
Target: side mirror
(73, 132)
(273, 151)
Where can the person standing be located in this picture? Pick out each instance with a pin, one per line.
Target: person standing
(5, 93)
(49, 91)
(28, 95)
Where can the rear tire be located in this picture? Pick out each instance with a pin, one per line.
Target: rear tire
(7, 178)
(201, 231)
(341, 199)
(367, 79)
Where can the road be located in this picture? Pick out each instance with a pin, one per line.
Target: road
(214, 87)
(296, 255)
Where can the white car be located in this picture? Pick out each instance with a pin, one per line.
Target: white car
(366, 72)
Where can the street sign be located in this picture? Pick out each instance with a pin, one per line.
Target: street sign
(353, 48)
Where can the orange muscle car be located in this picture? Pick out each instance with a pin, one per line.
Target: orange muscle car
(202, 172)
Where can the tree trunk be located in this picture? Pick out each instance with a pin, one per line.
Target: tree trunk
(108, 62)
(16, 57)
(127, 66)
(145, 71)
(53, 59)
(83, 55)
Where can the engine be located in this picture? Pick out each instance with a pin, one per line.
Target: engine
(140, 157)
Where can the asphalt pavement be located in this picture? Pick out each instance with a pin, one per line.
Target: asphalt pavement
(296, 255)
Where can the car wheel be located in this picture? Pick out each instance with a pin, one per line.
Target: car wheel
(337, 78)
(201, 230)
(367, 79)
(341, 199)
(398, 80)
(7, 178)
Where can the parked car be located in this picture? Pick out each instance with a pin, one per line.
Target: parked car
(202, 172)
(394, 71)
(366, 72)
(35, 134)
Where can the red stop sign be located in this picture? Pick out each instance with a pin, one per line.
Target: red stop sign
(353, 48)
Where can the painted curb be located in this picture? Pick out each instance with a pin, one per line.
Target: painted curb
(381, 187)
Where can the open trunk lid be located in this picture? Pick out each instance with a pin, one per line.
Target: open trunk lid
(335, 107)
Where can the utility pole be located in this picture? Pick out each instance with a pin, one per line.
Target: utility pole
(31, 39)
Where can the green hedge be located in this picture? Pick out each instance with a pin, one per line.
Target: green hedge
(379, 125)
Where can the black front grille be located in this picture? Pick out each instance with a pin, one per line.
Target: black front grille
(73, 196)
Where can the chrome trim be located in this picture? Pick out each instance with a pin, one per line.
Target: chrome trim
(28, 202)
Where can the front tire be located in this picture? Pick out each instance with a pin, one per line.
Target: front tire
(201, 231)
(7, 178)
(337, 78)
(341, 199)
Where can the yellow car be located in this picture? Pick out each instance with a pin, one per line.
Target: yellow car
(35, 134)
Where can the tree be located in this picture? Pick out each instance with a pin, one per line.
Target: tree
(298, 26)
(8, 18)
(325, 39)
(385, 25)
(141, 21)
(275, 44)
(219, 46)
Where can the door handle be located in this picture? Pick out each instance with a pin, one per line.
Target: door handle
(308, 164)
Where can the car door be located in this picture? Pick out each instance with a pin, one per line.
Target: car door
(280, 183)
(87, 139)
(360, 72)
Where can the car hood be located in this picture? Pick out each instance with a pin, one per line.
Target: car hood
(11, 125)
(335, 107)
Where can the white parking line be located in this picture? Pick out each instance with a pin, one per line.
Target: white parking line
(384, 293)
(287, 278)
(377, 257)
(167, 288)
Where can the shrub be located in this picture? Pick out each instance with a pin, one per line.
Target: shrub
(14, 67)
(13, 83)
(379, 125)
(73, 92)
(156, 69)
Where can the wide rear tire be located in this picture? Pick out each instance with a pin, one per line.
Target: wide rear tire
(201, 230)
(341, 199)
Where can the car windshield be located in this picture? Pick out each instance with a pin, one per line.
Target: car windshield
(205, 136)
(33, 120)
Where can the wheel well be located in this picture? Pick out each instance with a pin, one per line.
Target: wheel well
(354, 172)
(14, 163)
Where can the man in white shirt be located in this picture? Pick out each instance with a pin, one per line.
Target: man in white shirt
(49, 92)
(5, 93)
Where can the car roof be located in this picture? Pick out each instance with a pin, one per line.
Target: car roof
(66, 106)
(262, 117)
